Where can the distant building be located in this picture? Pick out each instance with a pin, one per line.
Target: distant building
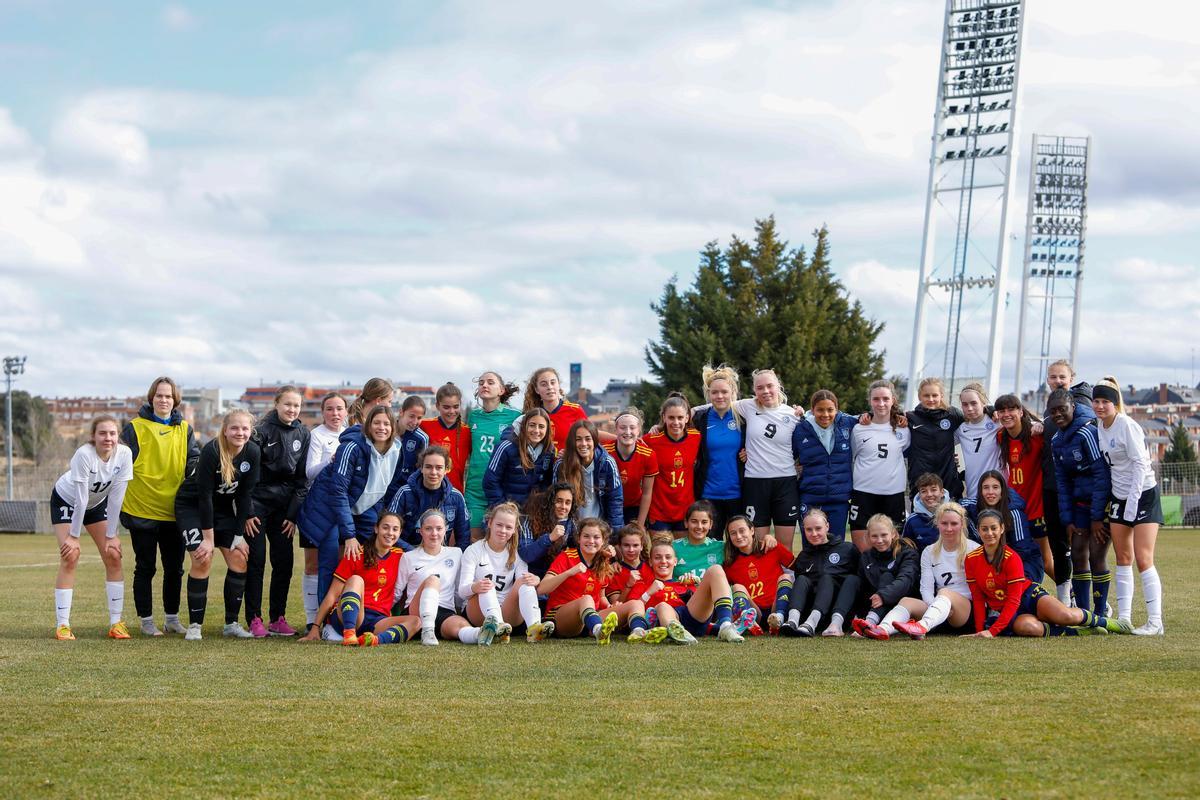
(73, 415)
(258, 400)
(617, 395)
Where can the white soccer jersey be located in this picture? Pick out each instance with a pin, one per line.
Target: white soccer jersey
(769, 439)
(322, 444)
(879, 457)
(944, 573)
(980, 451)
(1124, 448)
(88, 471)
(481, 561)
(417, 565)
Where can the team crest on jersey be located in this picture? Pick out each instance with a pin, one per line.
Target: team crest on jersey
(731, 425)
(244, 467)
(989, 425)
(296, 446)
(449, 562)
(449, 515)
(410, 446)
(678, 459)
(589, 587)
(899, 436)
(991, 584)
(712, 559)
(944, 424)
(835, 558)
(753, 571)
(1112, 443)
(382, 579)
(1078, 454)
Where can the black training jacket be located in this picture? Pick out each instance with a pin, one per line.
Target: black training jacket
(932, 448)
(836, 559)
(282, 482)
(891, 577)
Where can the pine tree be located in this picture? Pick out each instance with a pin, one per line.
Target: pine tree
(1181, 449)
(761, 304)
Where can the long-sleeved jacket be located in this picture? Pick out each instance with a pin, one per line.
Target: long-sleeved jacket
(337, 487)
(282, 482)
(1020, 533)
(920, 526)
(1080, 471)
(217, 502)
(160, 455)
(932, 448)
(606, 482)
(414, 499)
(891, 577)
(411, 444)
(835, 559)
(534, 547)
(506, 478)
(1082, 392)
(826, 477)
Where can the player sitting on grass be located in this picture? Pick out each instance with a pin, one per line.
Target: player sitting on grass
(826, 580)
(889, 570)
(495, 584)
(576, 582)
(758, 572)
(684, 609)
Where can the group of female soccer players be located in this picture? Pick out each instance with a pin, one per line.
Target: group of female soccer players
(531, 520)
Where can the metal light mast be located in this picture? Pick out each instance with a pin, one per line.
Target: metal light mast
(1055, 230)
(13, 365)
(971, 166)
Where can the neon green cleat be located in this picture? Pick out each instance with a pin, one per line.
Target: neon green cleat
(679, 634)
(606, 629)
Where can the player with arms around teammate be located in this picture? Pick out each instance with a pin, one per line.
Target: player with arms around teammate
(1028, 541)
(696, 551)
(544, 390)
(759, 573)
(769, 489)
(677, 450)
(162, 443)
(720, 468)
(522, 463)
(1060, 375)
(636, 464)
(976, 436)
(933, 424)
(430, 487)
(685, 609)
(878, 447)
(322, 444)
(496, 585)
(575, 583)
(212, 508)
(413, 439)
(447, 430)
(89, 495)
(945, 595)
(821, 444)
(486, 423)
(593, 474)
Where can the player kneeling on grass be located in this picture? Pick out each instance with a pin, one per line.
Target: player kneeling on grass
(826, 580)
(89, 496)
(495, 584)
(1001, 593)
(888, 570)
(685, 609)
(576, 582)
(359, 601)
(758, 573)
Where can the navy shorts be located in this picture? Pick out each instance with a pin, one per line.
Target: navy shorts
(693, 626)
(367, 621)
(61, 511)
(1149, 509)
(1029, 604)
(1081, 517)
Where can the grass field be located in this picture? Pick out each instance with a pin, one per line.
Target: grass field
(773, 718)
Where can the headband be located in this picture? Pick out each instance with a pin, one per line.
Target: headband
(1106, 393)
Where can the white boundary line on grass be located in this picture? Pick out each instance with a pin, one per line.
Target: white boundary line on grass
(86, 560)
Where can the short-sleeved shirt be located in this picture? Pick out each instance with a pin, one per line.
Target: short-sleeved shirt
(980, 451)
(561, 419)
(675, 486)
(416, 567)
(457, 440)
(379, 581)
(672, 592)
(575, 586)
(723, 441)
(694, 559)
(641, 464)
(879, 458)
(486, 428)
(769, 439)
(759, 573)
(1025, 473)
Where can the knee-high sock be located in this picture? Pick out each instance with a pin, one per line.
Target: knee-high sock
(309, 585)
(62, 606)
(591, 621)
(1152, 591)
(1100, 584)
(527, 599)
(937, 613)
(1063, 590)
(898, 614)
(1124, 591)
(489, 604)
(397, 634)
(783, 592)
(235, 587)
(350, 606)
(637, 621)
(197, 597)
(115, 590)
(1082, 583)
(428, 608)
(741, 602)
(722, 612)
(468, 635)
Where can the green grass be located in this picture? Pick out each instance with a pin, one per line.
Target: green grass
(1096, 716)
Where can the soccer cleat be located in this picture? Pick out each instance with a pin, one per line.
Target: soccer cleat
(637, 636)
(330, 634)
(118, 630)
(257, 629)
(368, 639)
(833, 632)
(428, 637)
(350, 638)
(913, 628)
(539, 631)
(679, 634)
(234, 630)
(746, 620)
(1087, 631)
(503, 632)
(604, 635)
(652, 617)
(280, 627)
(1118, 626)
(859, 626)
(173, 626)
(193, 633)
(150, 629)
(805, 630)
(63, 633)
(729, 633)
(656, 635)
(487, 632)
(873, 631)
(1149, 629)
(774, 623)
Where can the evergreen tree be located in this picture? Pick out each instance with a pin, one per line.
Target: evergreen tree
(33, 425)
(1181, 449)
(760, 304)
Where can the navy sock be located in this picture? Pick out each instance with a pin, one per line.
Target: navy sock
(1081, 582)
(636, 622)
(197, 597)
(783, 593)
(1101, 581)
(1058, 630)
(722, 612)
(741, 601)
(590, 620)
(350, 606)
(397, 634)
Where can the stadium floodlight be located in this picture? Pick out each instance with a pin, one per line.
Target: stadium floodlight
(971, 167)
(13, 365)
(1058, 183)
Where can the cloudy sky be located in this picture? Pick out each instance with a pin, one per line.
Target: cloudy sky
(230, 193)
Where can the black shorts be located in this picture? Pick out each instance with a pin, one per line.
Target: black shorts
(864, 505)
(443, 614)
(1149, 509)
(367, 621)
(772, 500)
(61, 511)
(189, 529)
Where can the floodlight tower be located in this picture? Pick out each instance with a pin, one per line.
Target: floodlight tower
(971, 167)
(13, 365)
(1055, 230)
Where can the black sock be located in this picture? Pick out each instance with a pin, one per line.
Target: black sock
(197, 596)
(235, 587)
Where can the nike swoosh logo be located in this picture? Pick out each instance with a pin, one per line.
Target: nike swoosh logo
(272, 444)
(163, 433)
(417, 569)
(914, 427)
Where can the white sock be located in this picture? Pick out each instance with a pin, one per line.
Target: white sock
(1152, 592)
(835, 622)
(1064, 592)
(937, 613)
(116, 600)
(62, 605)
(794, 617)
(596, 631)
(873, 617)
(489, 604)
(814, 619)
(527, 599)
(428, 608)
(169, 618)
(1124, 580)
(897, 614)
(468, 635)
(309, 585)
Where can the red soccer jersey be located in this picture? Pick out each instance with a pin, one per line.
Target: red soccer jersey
(1025, 473)
(562, 418)
(759, 573)
(457, 440)
(673, 593)
(379, 581)
(675, 487)
(575, 586)
(620, 578)
(642, 464)
(1000, 591)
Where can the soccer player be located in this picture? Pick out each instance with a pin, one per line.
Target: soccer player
(211, 509)
(428, 578)
(486, 423)
(636, 464)
(826, 580)
(633, 548)
(1135, 510)
(697, 551)
(522, 463)
(430, 487)
(889, 571)
(549, 526)
(375, 392)
(719, 468)
(575, 583)
(878, 447)
(758, 571)
(1083, 485)
(447, 431)
(685, 610)
(976, 437)
(821, 444)
(162, 443)
(945, 595)
(322, 444)
(413, 440)
(920, 527)
(1000, 589)
(593, 474)
(769, 489)
(1027, 540)
(677, 449)
(282, 483)
(933, 424)
(89, 495)
(359, 602)
(496, 585)
(544, 390)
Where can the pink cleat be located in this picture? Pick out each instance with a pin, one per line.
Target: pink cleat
(280, 627)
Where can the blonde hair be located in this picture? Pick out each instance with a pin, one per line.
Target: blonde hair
(722, 372)
(768, 371)
(977, 388)
(934, 382)
(1062, 362)
(951, 507)
(1108, 380)
(223, 446)
(508, 507)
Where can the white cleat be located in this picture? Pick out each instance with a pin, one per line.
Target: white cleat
(1150, 629)
(729, 633)
(330, 634)
(193, 633)
(428, 637)
(234, 630)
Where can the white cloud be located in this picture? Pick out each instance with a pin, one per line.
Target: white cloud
(178, 18)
